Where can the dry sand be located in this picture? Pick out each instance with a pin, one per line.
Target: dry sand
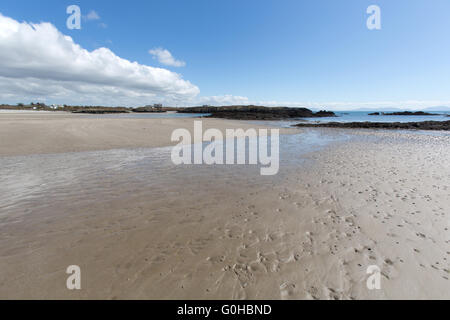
(381, 199)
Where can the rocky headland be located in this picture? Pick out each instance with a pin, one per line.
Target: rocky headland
(257, 112)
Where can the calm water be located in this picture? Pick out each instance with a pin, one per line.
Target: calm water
(344, 116)
(29, 183)
(362, 116)
(356, 116)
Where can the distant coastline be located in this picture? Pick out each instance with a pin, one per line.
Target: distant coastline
(252, 112)
(249, 112)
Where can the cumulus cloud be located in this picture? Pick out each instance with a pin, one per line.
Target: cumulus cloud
(165, 57)
(38, 61)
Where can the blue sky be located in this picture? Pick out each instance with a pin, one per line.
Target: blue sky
(292, 52)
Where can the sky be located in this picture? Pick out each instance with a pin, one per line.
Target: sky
(317, 54)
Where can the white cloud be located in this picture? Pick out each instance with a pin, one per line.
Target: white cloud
(39, 62)
(165, 57)
(92, 15)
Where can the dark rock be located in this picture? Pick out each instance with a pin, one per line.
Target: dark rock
(324, 113)
(424, 125)
(409, 113)
(153, 109)
(100, 110)
(374, 114)
(257, 112)
(148, 110)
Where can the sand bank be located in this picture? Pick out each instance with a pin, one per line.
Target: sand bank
(55, 132)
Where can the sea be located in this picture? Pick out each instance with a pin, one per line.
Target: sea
(341, 116)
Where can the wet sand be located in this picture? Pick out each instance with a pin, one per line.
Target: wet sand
(55, 132)
(139, 230)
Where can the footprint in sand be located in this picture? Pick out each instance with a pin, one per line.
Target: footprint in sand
(313, 293)
(287, 290)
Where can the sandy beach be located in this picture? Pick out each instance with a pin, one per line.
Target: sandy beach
(55, 132)
(82, 191)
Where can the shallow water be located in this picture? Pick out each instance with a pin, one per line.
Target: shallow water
(75, 179)
(362, 116)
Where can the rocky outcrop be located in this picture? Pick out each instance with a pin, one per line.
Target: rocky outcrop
(404, 113)
(152, 109)
(148, 110)
(424, 125)
(257, 112)
(100, 110)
